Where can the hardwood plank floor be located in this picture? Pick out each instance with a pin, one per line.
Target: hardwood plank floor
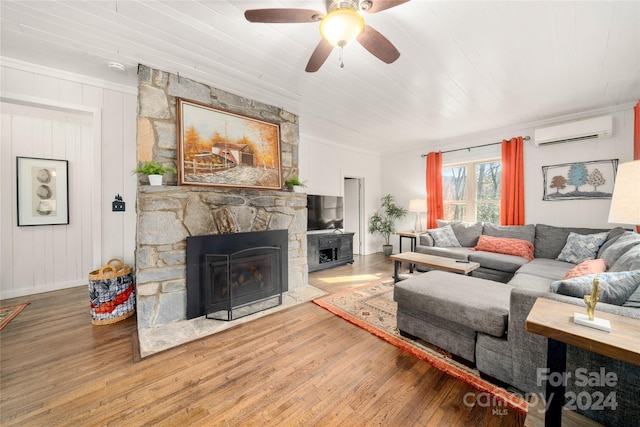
(301, 366)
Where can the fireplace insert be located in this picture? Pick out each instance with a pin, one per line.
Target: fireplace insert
(234, 275)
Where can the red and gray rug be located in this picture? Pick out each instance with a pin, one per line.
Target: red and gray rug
(371, 307)
(8, 313)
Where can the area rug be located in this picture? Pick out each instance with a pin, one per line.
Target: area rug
(8, 313)
(371, 307)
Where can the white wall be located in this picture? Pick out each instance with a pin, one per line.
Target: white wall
(113, 111)
(405, 178)
(323, 166)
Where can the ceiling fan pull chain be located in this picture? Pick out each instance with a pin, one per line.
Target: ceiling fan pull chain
(341, 56)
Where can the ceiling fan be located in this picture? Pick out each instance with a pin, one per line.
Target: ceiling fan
(340, 26)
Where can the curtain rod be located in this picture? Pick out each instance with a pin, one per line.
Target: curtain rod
(526, 138)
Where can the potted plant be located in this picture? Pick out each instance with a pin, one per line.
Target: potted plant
(154, 171)
(294, 184)
(383, 222)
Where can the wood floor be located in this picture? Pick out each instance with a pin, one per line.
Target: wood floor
(300, 367)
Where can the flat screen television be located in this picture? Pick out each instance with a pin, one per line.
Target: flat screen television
(324, 212)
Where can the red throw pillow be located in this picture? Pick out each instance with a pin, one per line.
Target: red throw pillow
(505, 245)
(590, 266)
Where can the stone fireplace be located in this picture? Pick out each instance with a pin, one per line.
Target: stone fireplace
(168, 215)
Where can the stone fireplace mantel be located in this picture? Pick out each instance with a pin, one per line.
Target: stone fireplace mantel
(166, 215)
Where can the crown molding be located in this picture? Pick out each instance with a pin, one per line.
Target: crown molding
(65, 75)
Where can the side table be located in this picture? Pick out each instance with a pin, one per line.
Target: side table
(554, 320)
(411, 235)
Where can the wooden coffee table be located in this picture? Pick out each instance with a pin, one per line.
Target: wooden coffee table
(432, 261)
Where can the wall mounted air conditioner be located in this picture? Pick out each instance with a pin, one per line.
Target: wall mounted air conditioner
(594, 127)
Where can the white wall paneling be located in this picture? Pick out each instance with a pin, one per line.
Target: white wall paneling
(53, 114)
(324, 165)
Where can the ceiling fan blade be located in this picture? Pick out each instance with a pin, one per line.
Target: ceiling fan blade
(283, 16)
(378, 45)
(379, 5)
(319, 56)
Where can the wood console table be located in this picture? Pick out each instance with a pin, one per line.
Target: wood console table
(554, 320)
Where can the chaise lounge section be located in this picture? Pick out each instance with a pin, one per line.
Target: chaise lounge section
(481, 318)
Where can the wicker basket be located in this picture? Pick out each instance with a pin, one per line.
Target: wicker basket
(111, 293)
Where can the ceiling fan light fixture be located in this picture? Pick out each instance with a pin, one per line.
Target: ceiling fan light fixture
(342, 26)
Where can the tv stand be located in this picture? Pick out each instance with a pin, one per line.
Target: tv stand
(327, 250)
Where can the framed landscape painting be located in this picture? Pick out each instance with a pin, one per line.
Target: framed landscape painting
(43, 191)
(583, 180)
(224, 149)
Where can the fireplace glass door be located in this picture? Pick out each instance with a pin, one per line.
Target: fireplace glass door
(242, 283)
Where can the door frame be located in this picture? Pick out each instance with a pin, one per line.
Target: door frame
(361, 221)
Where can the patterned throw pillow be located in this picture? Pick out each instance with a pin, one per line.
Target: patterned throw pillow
(505, 245)
(581, 247)
(590, 266)
(444, 237)
(615, 288)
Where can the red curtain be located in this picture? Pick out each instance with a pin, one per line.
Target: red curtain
(435, 206)
(636, 139)
(636, 132)
(512, 193)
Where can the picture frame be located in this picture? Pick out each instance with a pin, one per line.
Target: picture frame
(595, 177)
(42, 191)
(220, 148)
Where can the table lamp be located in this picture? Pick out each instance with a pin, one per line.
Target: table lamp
(418, 206)
(625, 202)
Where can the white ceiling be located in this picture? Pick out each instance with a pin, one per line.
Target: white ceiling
(465, 67)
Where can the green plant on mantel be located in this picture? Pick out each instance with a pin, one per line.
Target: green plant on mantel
(293, 181)
(153, 168)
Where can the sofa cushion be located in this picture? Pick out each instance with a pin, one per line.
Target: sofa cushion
(530, 281)
(547, 268)
(621, 245)
(444, 237)
(522, 232)
(505, 245)
(590, 266)
(425, 239)
(467, 233)
(630, 260)
(615, 288)
(455, 253)
(614, 235)
(495, 261)
(550, 240)
(633, 300)
(581, 247)
(479, 304)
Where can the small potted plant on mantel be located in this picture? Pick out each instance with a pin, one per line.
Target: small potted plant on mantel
(383, 223)
(154, 171)
(294, 184)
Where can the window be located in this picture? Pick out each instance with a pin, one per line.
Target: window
(472, 196)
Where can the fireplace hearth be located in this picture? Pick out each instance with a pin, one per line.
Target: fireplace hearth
(234, 275)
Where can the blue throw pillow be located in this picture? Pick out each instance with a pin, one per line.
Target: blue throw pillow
(581, 247)
(615, 288)
(444, 237)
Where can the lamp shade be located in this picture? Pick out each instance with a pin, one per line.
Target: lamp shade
(417, 205)
(341, 27)
(625, 202)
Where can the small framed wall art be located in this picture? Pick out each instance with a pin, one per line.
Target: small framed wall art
(43, 191)
(224, 149)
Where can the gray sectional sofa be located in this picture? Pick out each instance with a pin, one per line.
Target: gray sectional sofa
(481, 317)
